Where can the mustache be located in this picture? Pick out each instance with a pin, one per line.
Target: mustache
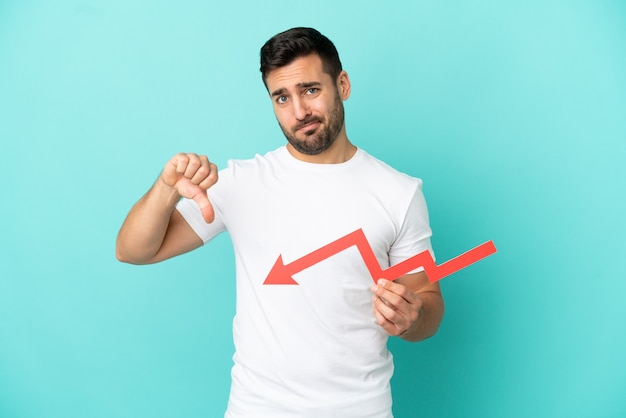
(306, 122)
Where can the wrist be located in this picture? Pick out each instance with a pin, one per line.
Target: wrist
(165, 192)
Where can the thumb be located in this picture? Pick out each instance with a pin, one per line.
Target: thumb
(205, 205)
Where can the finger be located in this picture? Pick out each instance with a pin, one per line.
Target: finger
(171, 170)
(401, 310)
(181, 161)
(205, 205)
(387, 297)
(388, 288)
(389, 312)
(378, 314)
(192, 165)
(211, 179)
(387, 318)
(202, 171)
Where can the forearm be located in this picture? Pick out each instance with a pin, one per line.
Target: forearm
(430, 316)
(144, 229)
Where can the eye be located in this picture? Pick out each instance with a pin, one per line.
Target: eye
(312, 90)
(281, 99)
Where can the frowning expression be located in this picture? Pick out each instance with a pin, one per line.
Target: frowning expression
(308, 104)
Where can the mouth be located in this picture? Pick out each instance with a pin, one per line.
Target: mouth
(308, 126)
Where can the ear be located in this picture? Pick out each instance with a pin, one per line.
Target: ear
(343, 85)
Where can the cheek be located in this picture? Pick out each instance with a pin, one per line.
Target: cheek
(283, 116)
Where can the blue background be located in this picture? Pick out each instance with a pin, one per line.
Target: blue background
(513, 113)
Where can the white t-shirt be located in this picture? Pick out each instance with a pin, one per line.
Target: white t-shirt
(311, 349)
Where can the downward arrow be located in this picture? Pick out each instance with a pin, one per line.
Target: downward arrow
(282, 273)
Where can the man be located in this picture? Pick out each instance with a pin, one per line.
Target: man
(316, 347)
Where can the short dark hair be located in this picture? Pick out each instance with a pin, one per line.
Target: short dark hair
(284, 48)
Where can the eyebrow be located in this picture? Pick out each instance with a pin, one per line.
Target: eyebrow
(304, 85)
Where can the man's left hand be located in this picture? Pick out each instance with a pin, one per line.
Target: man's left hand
(397, 308)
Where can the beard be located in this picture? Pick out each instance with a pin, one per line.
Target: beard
(319, 140)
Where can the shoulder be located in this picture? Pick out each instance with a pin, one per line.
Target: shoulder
(386, 173)
(238, 168)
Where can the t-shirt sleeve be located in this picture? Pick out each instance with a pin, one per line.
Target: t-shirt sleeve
(414, 235)
(192, 214)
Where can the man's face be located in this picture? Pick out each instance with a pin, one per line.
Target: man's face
(308, 104)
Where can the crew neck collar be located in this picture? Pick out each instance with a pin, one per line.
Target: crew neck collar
(321, 166)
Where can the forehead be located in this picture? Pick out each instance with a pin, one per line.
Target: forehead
(302, 70)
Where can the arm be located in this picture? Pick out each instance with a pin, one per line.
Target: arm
(410, 307)
(153, 230)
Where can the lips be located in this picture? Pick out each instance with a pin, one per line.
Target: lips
(309, 125)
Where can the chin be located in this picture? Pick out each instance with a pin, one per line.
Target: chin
(307, 149)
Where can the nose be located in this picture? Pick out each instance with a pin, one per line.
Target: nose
(300, 109)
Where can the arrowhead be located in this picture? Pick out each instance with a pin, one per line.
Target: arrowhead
(279, 274)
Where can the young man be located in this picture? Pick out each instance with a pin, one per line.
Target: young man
(315, 347)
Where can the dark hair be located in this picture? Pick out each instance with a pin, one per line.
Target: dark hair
(284, 48)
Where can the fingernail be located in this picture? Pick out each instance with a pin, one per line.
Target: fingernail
(382, 282)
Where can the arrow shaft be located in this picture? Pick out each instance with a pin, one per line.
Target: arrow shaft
(327, 251)
(438, 272)
(423, 259)
(461, 261)
(358, 238)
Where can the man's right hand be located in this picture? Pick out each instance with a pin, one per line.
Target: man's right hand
(191, 175)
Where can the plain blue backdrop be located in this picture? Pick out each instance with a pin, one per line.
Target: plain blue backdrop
(513, 113)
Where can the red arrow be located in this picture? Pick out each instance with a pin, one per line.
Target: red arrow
(282, 273)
